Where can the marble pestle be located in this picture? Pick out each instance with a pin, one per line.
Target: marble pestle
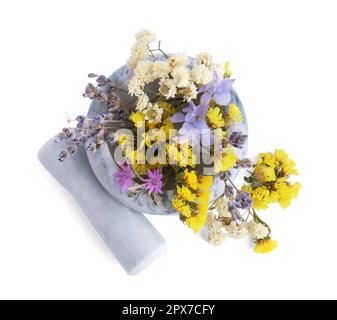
(130, 236)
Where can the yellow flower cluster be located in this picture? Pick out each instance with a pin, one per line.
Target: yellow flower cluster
(137, 118)
(226, 162)
(269, 180)
(192, 198)
(215, 118)
(154, 132)
(265, 246)
(181, 154)
(233, 115)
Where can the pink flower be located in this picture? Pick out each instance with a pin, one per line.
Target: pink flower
(124, 177)
(154, 181)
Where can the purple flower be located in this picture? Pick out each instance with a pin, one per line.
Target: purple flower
(194, 126)
(124, 177)
(243, 200)
(238, 139)
(154, 181)
(219, 90)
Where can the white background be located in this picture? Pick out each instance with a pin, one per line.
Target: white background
(284, 57)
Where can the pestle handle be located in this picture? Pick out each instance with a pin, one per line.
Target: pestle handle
(129, 235)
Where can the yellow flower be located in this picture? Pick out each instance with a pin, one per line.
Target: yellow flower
(265, 245)
(205, 182)
(136, 159)
(260, 196)
(173, 153)
(233, 115)
(267, 159)
(187, 157)
(287, 165)
(181, 206)
(181, 155)
(167, 107)
(137, 118)
(146, 140)
(227, 161)
(166, 127)
(215, 117)
(190, 178)
(178, 203)
(186, 194)
(286, 192)
(186, 211)
(124, 139)
(196, 222)
(203, 196)
(185, 200)
(228, 73)
(264, 173)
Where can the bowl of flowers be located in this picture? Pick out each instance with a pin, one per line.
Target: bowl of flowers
(167, 134)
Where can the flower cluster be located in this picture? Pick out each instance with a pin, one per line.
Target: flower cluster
(180, 111)
(269, 181)
(192, 198)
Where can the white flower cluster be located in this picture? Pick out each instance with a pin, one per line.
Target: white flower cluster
(220, 225)
(140, 50)
(206, 60)
(215, 236)
(174, 75)
(257, 230)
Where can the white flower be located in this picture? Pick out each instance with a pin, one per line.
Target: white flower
(143, 71)
(190, 92)
(222, 207)
(236, 230)
(143, 103)
(216, 238)
(177, 60)
(135, 86)
(215, 235)
(201, 74)
(159, 69)
(139, 52)
(257, 230)
(153, 113)
(145, 36)
(167, 88)
(205, 58)
(181, 76)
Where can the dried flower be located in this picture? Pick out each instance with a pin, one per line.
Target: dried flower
(237, 139)
(181, 77)
(153, 113)
(124, 177)
(243, 200)
(201, 74)
(265, 246)
(72, 149)
(258, 230)
(205, 58)
(244, 163)
(215, 234)
(154, 181)
(190, 92)
(167, 88)
(63, 155)
(90, 91)
(177, 60)
(229, 191)
(236, 230)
